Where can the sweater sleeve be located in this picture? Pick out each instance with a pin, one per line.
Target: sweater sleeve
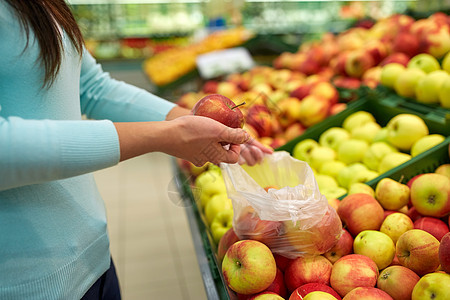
(105, 98)
(35, 151)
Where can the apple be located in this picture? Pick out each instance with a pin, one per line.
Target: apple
(248, 267)
(221, 109)
(357, 119)
(430, 195)
(381, 135)
(333, 136)
(425, 62)
(397, 57)
(360, 212)
(360, 187)
(443, 170)
(418, 250)
(358, 62)
(366, 132)
(282, 261)
(352, 271)
(395, 224)
(221, 223)
(436, 40)
(375, 153)
(363, 176)
(425, 143)
(334, 202)
(434, 226)
(428, 87)
(346, 174)
(331, 168)
(444, 253)
(414, 214)
(313, 109)
(392, 194)
(332, 192)
(260, 118)
(208, 184)
(390, 73)
(343, 247)
(392, 160)
(376, 245)
(352, 151)
(398, 282)
(277, 287)
(405, 129)
(302, 150)
(319, 295)
(312, 240)
(228, 239)
(432, 286)
(444, 93)
(307, 269)
(319, 155)
(367, 293)
(308, 288)
(301, 92)
(267, 296)
(326, 90)
(407, 81)
(325, 182)
(293, 131)
(372, 77)
(406, 42)
(218, 203)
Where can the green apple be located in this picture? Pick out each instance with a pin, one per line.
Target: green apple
(221, 223)
(390, 73)
(357, 119)
(302, 150)
(424, 61)
(405, 129)
(381, 135)
(319, 155)
(352, 151)
(363, 176)
(346, 174)
(430, 195)
(425, 143)
(208, 184)
(432, 286)
(249, 267)
(392, 160)
(376, 245)
(360, 187)
(218, 203)
(333, 192)
(406, 83)
(446, 63)
(331, 168)
(428, 87)
(396, 224)
(444, 93)
(375, 153)
(333, 136)
(391, 194)
(366, 132)
(325, 181)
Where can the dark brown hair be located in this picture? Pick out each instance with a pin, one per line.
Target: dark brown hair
(43, 17)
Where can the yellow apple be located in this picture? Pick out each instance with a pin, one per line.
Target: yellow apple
(391, 194)
(376, 245)
(395, 224)
(360, 187)
(406, 83)
(425, 143)
(352, 151)
(366, 132)
(405, 129)
(331, 168)
(424, 61)
(428, 87)
(392, 160)
(375, 153)
(444, 93)
(390, 73)
(357, 119)
(218, 203)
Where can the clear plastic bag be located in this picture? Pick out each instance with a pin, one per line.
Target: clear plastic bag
(292, 217)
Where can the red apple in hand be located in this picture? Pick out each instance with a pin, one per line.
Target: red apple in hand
(221, 109)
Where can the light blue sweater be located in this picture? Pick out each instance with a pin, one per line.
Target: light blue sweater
(53, 235)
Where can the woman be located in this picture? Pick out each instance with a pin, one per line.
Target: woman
(53, 235)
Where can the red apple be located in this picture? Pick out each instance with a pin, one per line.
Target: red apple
(434, 226)
(358, 62)
(367, 293)
(249, 267)
(337, 108)
(325, 90)
(221, 109)
(347, 82)
(300, 292)
(227, 89)
(338, 63)
(430, 195)
(282, 261)
(260, 118)
(343, 247)
(210, 87)
(398, 282)
(301, 92)
(377, 50)
(352, 271)
(228, 239)
(418, 250)
(307, 269)
(360, 212)
(293, 131)
(397, 57)
(444, 253)
(313, 109)
(406, 43)
(413, 214)
(277, 287)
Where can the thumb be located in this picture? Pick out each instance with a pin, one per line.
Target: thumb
(234, 136)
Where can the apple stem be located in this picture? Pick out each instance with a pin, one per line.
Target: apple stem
(236, 106)
(401, 179)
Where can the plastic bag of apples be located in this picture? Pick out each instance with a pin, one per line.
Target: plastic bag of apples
(278, 202)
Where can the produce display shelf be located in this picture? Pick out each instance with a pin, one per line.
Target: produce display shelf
(215, 287)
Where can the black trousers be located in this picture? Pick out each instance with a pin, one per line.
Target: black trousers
(106, 287)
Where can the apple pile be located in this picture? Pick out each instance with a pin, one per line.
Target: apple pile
(361, 150)
(423, 79)
(395, 245)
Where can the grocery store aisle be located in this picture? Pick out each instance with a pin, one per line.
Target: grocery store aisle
(151, 241)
